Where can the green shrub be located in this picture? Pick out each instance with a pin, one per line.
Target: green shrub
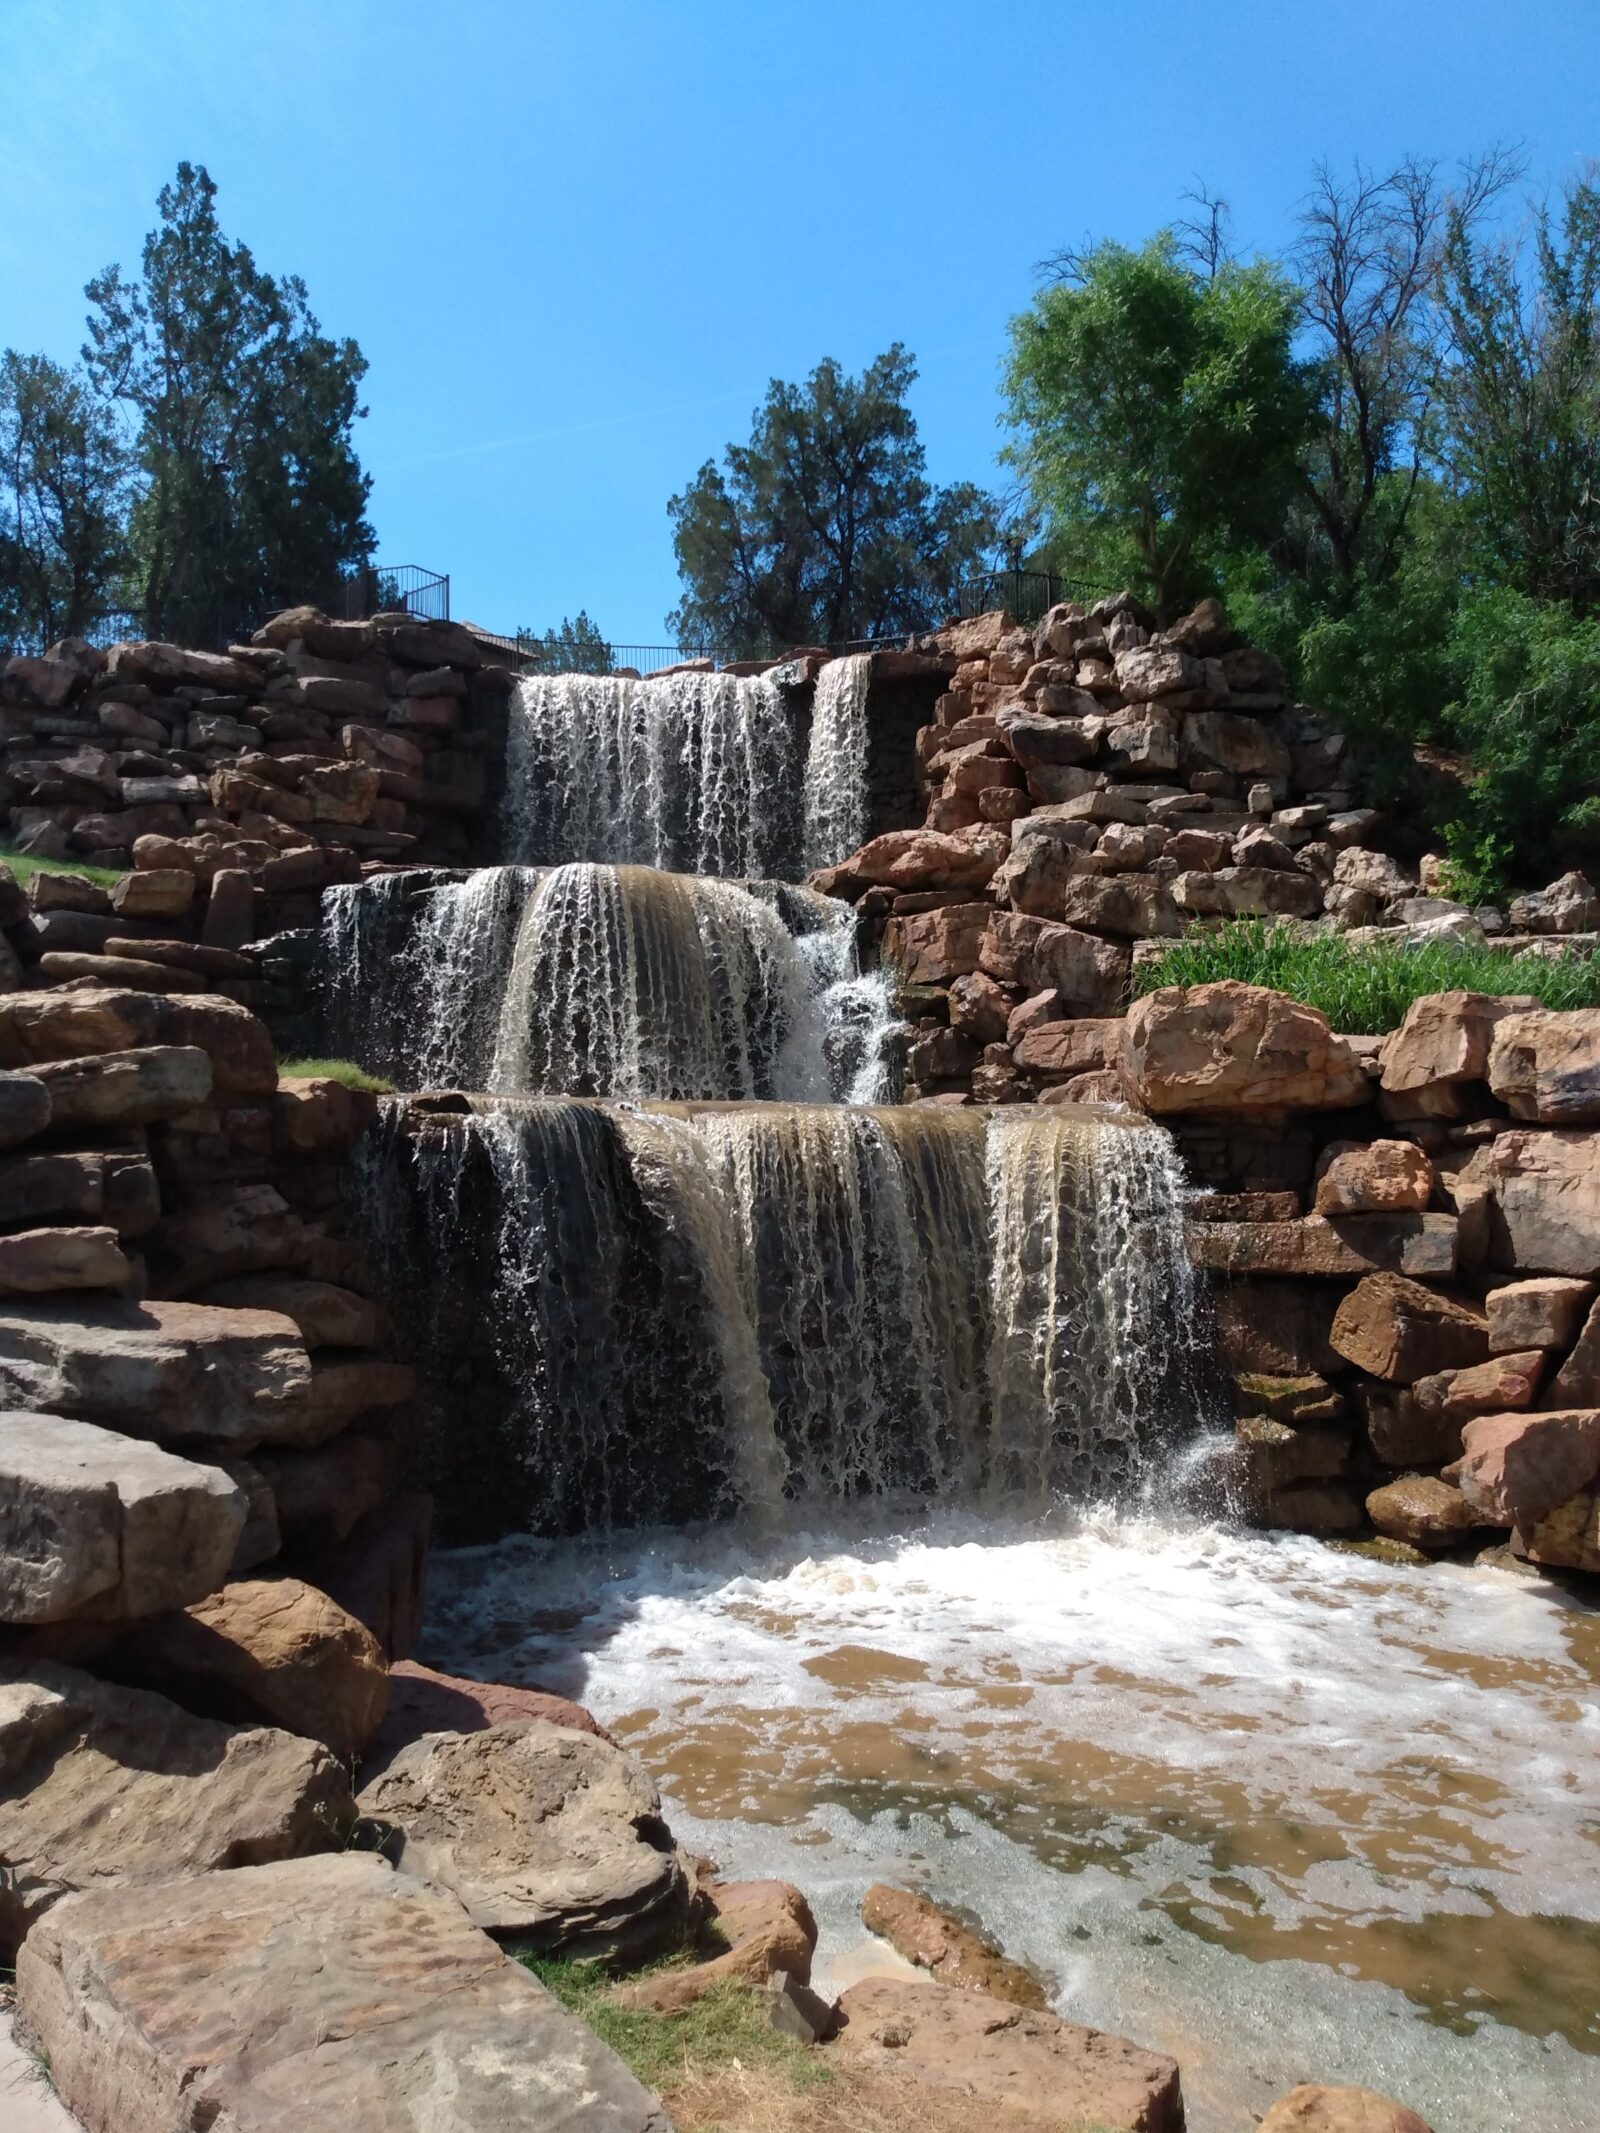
(24, 865)
(1366, 991)
(341, 1070)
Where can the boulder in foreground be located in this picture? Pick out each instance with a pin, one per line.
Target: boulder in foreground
(103, 1785)
(1235, 1048)
(326, 1992)
(1009, 2059)
(551, 1835)
(1314, 2109)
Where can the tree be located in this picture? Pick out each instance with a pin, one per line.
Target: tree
(62, 502)
(1523, 395)
(824, 527)
(1158, 410)
(242, 407)
(575, 648)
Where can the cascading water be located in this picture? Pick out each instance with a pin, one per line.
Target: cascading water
(722, 1308)
(836, 762)
(605, 981)
(689, 772)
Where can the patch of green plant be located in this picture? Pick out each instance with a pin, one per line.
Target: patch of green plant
(344, 1071)
(24, 865)
(1365, 991)
(727, 2025)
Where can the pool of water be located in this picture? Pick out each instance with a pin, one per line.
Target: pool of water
(1280, 1810)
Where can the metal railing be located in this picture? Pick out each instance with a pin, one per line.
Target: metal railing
(384, 588)
(1026, 594)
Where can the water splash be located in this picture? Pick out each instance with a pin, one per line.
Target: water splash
(836, 762)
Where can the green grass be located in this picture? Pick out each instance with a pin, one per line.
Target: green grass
(24, 865)
(1366, 991)
(341, 1070)
(726, 2026)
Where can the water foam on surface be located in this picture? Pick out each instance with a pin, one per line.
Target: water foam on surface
(1285, 1812)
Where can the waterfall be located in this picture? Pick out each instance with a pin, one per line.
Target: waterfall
(689, 772)
(836, 762)
(674, 1311)
(606, 981)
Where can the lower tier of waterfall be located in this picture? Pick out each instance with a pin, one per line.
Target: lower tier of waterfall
(644, 1314)
(588, 980)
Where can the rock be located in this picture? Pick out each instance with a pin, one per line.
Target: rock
(1238, 1048)
(1276, 1456)
(422, 1701)
(551, 1835)
(328, 1316)
(1419, 1245)
(1301, 1400)
(1514, 1469)
(40, 1026)
(928, 859)
(1538, 1314)
(980, 1008)
(1421, 1511)
(1545, 1212)
(1455, 1396)
(36, 1262)
(120, 1189)
(1063, 2078)
(315, 1993)
(1375, 1177)
(1247, 892)
(1279, 1328)
(1546, 1067)
(1135, 906)
(127, 1088)
(1314, 2109)
(24, 1108)
(1226, 740)
(1372, 874)
(173, 665)
(1084, 1045)
(1569, 905)
(767, 1930)
(377, 1573)
(102, 1785)
(170, 1370)
(936, 1941)
(105, 1526)
(932, 947)
(1315, 1507)
(1446, 1036)
(1036, 741)
(251, 1230)
(1568, 1538)
(153, 892)
(1087, 974)
(317, 1495)
(1577, 1382)
(273, 1649)
(1397, 1330)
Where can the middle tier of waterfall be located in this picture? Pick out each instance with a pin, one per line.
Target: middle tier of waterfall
(603, 981)
(647, 1314)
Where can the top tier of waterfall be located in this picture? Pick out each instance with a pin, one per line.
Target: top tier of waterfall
(695, 773)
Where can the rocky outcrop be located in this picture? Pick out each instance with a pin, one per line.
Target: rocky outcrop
(1008, 2059)
(552, 1835)
(102, 1785)
(318, 1992)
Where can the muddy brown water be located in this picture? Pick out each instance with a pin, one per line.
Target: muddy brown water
(1284, 1812)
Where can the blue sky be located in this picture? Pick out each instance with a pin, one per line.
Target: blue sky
(576, 241)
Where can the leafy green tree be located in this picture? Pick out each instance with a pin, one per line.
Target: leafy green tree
(242, 408)
(1522, 393)
(63, 499)
(576, 648)
(824, 528)
(1159, 411)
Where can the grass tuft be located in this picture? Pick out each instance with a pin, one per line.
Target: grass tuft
(1365, 991)
(340, 1070)
(24, 865)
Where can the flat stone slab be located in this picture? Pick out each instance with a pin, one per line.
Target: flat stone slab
(543, 1832)
(95, 1523)
(328, 1992)
(1332, 1247)
(1009, 2059)
(101, 1785)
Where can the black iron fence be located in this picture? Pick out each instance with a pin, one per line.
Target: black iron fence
(1027, 594)
(388, 588)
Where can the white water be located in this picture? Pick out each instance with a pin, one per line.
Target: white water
(1284, 1812)
(836, 762)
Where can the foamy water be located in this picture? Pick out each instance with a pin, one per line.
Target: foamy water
(1284, 1812)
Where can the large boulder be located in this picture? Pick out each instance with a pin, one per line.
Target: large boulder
(1541, 1313)
(24, 1108)
(1546, 1067)
(551, 1835)
(1087, 974)
(1446, 1037)
(1311, 2108)
(166, 1370)
(1423, 1512)
(932, 947)
(40, 1026)
(1235, 1048)
(100, 1784)
(1569, 905)
(1228, 740)
(1395, 1329)
(423, 1701)
(126, 1088)
(1277, 1328)
(35, 1262)
(928, 859)
(1545, 1209)
(1373, 1177)
(1314, 1245)
(93, 1523)
(1055, 2076)
(1567, 1538)
(273, 1649)
(327, 1315)
(1247, 892)
(763, 1926)
(1133, 906)
(316, 1993)
(955, 1954)
(1515, 1468)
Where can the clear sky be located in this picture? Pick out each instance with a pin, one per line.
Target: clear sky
(575, 241)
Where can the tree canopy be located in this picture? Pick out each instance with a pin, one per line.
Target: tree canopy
(63, 501)
(824, 528)
(577, 647)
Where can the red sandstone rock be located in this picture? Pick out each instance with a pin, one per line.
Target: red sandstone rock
(1421, 1511)
(1395, 1329)
(422, 1701)
(1515, 1468)
(1238, 1048)
(927, 859)
(1377, 1177)
(933, 1940)
(1446, 1036)
(1314, 2109)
